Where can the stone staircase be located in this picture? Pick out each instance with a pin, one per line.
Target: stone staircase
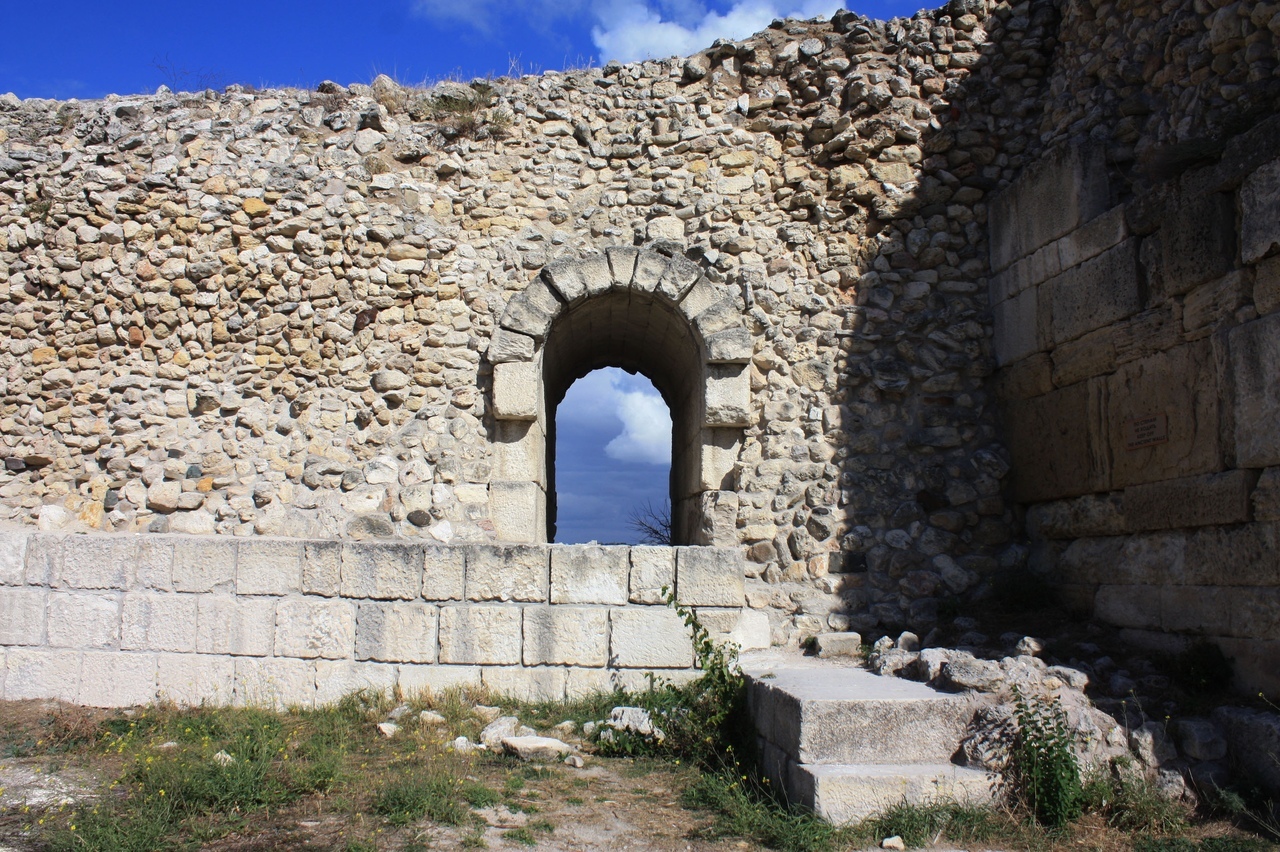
(848, 743)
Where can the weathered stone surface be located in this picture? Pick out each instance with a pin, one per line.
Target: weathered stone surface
(1260, 213)
(1255, 366)
(1098, 292)
(1058, 442)
(322, 568)
(566, 636)
(396, 632)
(709, 576)
(589, 575)
(1197, 501)
(190, 680)
(268, 568)
(536, 748)
(383, 571)
(41, 673)
(508, 573)
(1266, 496)
(22, 616)
(1018, 331)
(81, 620)
(238, 626)
(1090, 515)
(1180, 385)
(653, 575)
(276, 682)
(518, 510)
(515, 390)
(13, 558)
(336, 679)
(203, 566)
(158, 622)
(485, 635)
(94, 563)
(1234, 556)
(315, 627)
(1128, 606)
(649, 638)
(112, 679)
(544, 683)
(1197, 241)
(444, 574)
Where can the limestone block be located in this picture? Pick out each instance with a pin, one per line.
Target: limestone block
(730, 346)
(1054, 195)
(566, 636)
(1260, 213)
(1089, 560)
(190, 680)
(745, 629)
(540, 684)
(1017, 327)
(315, 627)
(484, 635)
(649, 637)
(41, 673)
(1011, 281)
(1196, 501)
(1128, 606)
(699, 298)
(1196, 609)
(1255, 366)
(95, 562)
(1253, 736)
(518, 511)
(44, 559)
(721, 315)
(1254, 612)
(1093, 238)
(1197, 242)
(336, 679)
(581, 683)
(1156, 559)
(622, 265)
(1058, 443)
(665, 228)
(562, 277)
(680, 275)
(531, 312)
(650, 267)
(719, 462)
(1096, 293)
(154, 568)
(415, 679)
(1266, 496)
(22, 615)
(728, 395)
(117, 679)
(158, 622)
(443, 573)
(274, 682)
(1085, 357)
(1214, 304)
(1090, 515)
(653, 570)
(1180, 385)
(1032, 376)
(517, 387)
(520, 451)
(507, 345)
(709, 576)
(1266, 286)
(589, 574)
(396, 632)
(322, 568)
(265, 567)
(383, 571)
(203, 565)
(1253, 662)
(13, 559)
(518, 572)
(595, 274)
(238, 626)
(83, 620)
(716, 522)
(1146, 333)
(1247, 555)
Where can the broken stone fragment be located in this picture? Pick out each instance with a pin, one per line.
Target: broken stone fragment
(535, 747)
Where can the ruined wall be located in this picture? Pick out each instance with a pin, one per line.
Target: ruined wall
(126, 620)
(272, 313)
(1136, 298)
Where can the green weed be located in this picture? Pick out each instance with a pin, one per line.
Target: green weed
(744, 807)
(408, 800)
(1044, 772)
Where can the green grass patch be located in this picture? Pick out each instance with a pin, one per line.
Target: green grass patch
(408, 800)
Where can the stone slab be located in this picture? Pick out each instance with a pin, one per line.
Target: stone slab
(277, 682)
(22, 615)
(322, 568)
(1246, 555)
(710, 576)
(382, 571)
(95, 562)
(480, 635)
(13, 558)
(1255, 367)
(309, 627)
(396, 632)
(1018, 332)
(1197, 242)
(589, 574)
(1266, 496)
(1058, 443)
(42, 673)
(653, 574)
(517, 572)
(1089, 515)
(158, 622)
(1195, 501)
(336, 679)
(444, 573)
(1098, 292)
(649, 637)
(268, 567)
(1260, 213)
(433, 680)
(566, 636)
(203, 565)
(192, 680)
(518, 511)
(226, 624)
(515, 390)
(544, 683)
(843, 794)
(115, 679)
(83, 620)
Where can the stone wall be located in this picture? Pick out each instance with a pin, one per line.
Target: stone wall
(124, 620)
(1140, 367)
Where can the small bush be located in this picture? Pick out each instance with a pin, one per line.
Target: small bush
(1043, 771)
(1126, 800)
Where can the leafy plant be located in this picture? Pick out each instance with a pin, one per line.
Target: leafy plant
(1044, 771)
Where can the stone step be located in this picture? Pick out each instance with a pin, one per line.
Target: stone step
(843, 793)
(820, 713)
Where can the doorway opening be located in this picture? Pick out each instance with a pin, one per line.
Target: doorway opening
(611, 471)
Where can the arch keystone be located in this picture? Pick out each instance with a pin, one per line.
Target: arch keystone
(596, 274)
(622, 262)
(650, 267)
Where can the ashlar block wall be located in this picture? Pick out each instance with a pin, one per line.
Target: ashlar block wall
(125, 620)
(1139, 346)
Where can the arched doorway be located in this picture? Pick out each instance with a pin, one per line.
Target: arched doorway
(644, 312)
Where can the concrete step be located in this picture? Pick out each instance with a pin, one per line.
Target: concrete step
(820, 713)
(843, 793)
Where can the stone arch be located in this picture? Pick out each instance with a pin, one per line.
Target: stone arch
(644, 312)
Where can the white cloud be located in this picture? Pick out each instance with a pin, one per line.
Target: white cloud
(604, 399)
(629, 30)
(646, 429)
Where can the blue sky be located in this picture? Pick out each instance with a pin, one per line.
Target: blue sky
(75, 49)
(613, 454)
